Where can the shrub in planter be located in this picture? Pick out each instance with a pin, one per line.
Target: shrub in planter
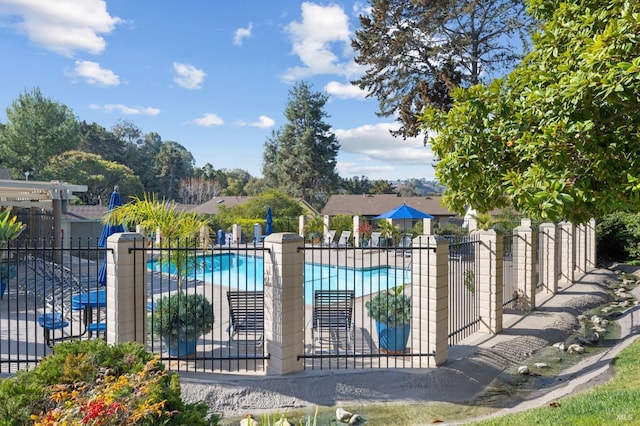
(391, 310)
(180, 318)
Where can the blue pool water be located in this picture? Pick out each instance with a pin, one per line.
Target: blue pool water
(246, 273)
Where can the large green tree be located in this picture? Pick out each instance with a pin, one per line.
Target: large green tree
(98, 174)
(97, 140)
(300, 158)
(37, 129)
(416, 52)
(558, 139)
(173, 162)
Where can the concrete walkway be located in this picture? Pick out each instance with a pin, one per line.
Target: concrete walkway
(473, 364)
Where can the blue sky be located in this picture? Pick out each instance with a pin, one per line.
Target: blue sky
(212, 75)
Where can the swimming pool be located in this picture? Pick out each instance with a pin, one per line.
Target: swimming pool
(243, 272)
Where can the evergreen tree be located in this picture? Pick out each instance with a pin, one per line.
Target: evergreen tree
(300, 158)
(417, 52)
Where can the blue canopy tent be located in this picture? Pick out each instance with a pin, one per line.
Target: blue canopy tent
(107, 231)
(269, 222)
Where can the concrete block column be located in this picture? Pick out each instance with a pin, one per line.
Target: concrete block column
(490, 281)
(591, 260)
(302, 224)
(524, 264)
(326, 227)
(284, 303)
(356, 231)
(126, 289)
(580, 241)
(548, 239)
(429, 295)
(566, 253)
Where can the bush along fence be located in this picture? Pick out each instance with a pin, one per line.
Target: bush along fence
(284, 305)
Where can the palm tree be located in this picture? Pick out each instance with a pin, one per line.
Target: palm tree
(178, 230)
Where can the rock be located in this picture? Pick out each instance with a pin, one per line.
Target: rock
(541, 365)
(559, 346)
(282, 422)
(604, 322)
(606, 309)
(575, 349)
(582, 317)
(355, 419)
(248, 421)
(596, 319)
(523, 369)
(600, 330)
(343, 415)
(624, 304)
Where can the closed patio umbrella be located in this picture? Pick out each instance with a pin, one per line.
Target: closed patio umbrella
(107, 231)
(269, 222)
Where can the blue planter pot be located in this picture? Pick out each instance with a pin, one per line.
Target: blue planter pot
(393, 339)
(181, 348)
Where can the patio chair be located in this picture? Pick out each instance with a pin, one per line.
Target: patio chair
(404, 246)
(333, 315)
(246, 314)
(328, 239)
(344, 239)
(375, 239)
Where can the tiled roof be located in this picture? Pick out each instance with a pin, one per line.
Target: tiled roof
(85, 212)
(211, 206)
(374, 205)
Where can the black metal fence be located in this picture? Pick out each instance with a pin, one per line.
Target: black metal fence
(464, 307)
(510, 288)
(348, 291)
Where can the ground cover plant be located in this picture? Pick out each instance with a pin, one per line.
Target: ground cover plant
(93, 383)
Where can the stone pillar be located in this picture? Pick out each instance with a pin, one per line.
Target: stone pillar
(236, 231)
(591, 260)
(490, 280)
(356, 231)
(429, 295)
(549, 233)
(284, 303)
(302, 224)
(427, 226)
(580, 249)
(126, 289)
(524, 264)
(566, 253)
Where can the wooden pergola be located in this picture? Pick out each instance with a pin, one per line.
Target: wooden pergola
(52, 195)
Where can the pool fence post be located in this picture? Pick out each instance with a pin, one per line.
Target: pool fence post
(549, 233)
(284, 303)
(524, 263)
(429, 297)
(126, 289)
(490, 280)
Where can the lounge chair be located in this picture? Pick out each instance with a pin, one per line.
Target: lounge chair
(404, 246)
(328, 238)
(344, 239)
(375, 239)
(333, 314)
(246, 314)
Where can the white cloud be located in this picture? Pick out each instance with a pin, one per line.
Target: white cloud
(94, 74)
(62, 26)
(374, 142)
(127, 110)
(209, 119)
(241, 34)
(187, 76)
(263, 122)
(344, 91)
(313, 38)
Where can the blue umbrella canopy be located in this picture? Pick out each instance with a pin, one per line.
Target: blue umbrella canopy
(107, 231)
(404, 212)
(269, 228)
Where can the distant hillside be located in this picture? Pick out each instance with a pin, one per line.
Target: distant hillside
(413, 187)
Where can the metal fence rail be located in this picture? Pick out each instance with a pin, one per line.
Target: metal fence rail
(464, 311)
(340, 334)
